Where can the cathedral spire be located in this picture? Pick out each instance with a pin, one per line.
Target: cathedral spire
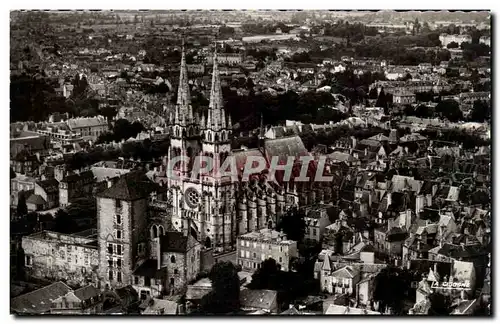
(184, 109)
(216, 114)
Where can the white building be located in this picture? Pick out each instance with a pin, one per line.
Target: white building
(255, 247)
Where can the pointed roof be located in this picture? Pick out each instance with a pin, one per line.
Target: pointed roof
(432, 276)
(216, 114)
(346, 272)
(183, 111)
(326, 264)
(183, 95)
(130, 186)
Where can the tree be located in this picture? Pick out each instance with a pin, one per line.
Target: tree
(407, 77)
(250, 84)
(373, 94)
(108, 112)
(22, 209)
(440, 305)
(425, 27)
(452, 45)
(82, 207)
(481, 111)
(423, 111)
(408, 110)
(12, 173)
(225, 295)
(64, 223)
(390, 287)
(449, 109)
(293, 224)
(382, 101)
(266, 276)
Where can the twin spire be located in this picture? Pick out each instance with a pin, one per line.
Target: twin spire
(216, 119)
(183, 110)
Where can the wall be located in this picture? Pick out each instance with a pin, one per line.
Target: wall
(262, 252)
(132, 227)
(74, 263)
(180, 265)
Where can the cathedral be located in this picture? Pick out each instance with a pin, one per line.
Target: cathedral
(214, 209)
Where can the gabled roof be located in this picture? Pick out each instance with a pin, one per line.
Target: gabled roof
(291, 311)
(462, 251)
(285, 147)
(36, 200)
(161, 307)
(379, 137)
(50, 186)
(78, 176)
(346, 272)
(340, 156)
(87, 292)
(39, 301)
(412, 138)
(346, 310)
(127, 292)
(131, 186)
(260, 298)
(370, 143)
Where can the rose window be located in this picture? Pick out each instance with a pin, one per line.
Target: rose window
(192, 197)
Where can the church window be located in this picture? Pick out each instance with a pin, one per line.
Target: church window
(209, 137)
(161, 230)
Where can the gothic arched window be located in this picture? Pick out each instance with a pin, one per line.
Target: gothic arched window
(209, 137)
(161, 230)
(154, 231)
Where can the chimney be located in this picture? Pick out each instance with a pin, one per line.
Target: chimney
(353, 141)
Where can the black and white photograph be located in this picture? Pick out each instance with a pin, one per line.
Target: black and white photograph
(250, 162)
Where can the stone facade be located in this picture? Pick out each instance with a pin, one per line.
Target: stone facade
(220, 208)
(253, 248)
(75, 186)
(71, 258)
(121, 225)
